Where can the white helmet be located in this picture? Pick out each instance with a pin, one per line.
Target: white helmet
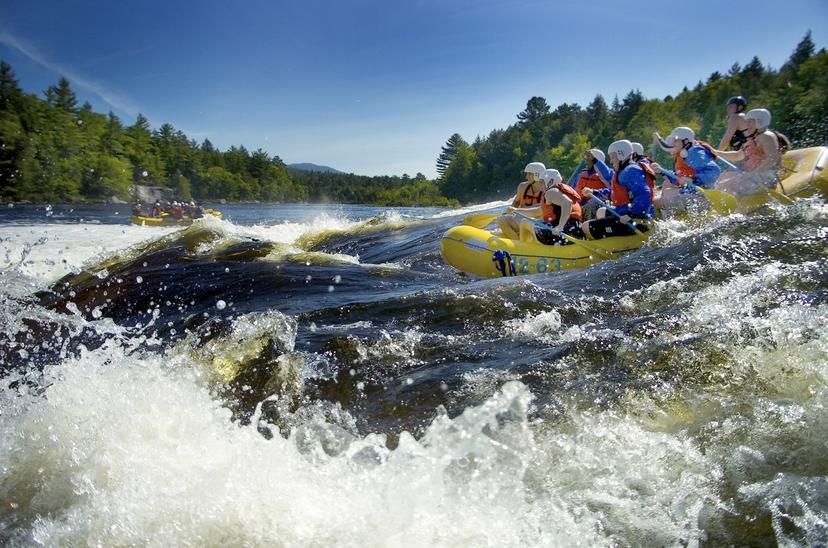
(535, 167)
(552, 176)
(597, 154)
(623, 149)
(762, 117)
(683, 133)
(638, 149)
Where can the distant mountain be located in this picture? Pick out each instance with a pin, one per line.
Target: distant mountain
(312, 167)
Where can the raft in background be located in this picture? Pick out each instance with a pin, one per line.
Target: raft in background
(168, 220)
(803, 175)
(490, 255)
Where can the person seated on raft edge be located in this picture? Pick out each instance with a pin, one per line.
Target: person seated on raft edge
(630, 194)
(529, 193)
(595, 176)
(156, 209)
(762, 154)
(735, 136)
(560, 210)
(695, 165)
(137, 208)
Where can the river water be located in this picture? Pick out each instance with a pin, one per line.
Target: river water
(317, 375)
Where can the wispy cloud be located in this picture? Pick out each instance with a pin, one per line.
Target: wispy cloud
(112, 98)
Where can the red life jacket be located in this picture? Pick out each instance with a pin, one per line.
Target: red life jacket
(618, 194)
(649, 175)
(528, 200)
(551, 212)
(682, 168)
(589, 181)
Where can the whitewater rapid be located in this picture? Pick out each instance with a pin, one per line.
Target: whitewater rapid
(133, 442)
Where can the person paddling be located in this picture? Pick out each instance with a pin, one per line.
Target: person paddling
(735, 136)
(595, 176)
(630, 194)
(762, 154)
(529, 194)
(560, 210)
(694, 165)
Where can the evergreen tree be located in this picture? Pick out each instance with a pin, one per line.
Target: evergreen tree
(536, 108)
(448, 152)
(804, 51)
(62, 96)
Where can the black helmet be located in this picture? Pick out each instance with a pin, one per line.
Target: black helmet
(739, 101)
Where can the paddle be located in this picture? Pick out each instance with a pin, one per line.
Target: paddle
(480, 220)
(611, 210)
(721, 201)
(592, 249)
(781, 198)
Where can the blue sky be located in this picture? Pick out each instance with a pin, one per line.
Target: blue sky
(377, 87)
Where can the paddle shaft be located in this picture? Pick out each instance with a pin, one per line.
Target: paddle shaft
(576, 241)
(614, 212)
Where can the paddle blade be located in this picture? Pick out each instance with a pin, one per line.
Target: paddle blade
(722, 202)
(480, 220)
(781, 198)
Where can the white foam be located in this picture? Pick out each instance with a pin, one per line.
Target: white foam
(47, 252)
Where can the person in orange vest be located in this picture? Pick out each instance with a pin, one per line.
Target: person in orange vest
(630, 196)
(560, 210)
(529, 194)
(735, 136)
(695, 166)
(762, 155)
(595, 176)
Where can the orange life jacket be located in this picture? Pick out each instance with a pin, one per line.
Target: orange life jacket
(754, 155)
(551, 212)
(589, 181)
(530, 199)
(683, 169)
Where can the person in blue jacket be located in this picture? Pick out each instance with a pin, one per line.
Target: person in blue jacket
(695, 166)
(630, 196)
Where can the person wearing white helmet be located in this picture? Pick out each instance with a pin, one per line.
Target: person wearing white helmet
(762, 154)
(595, 176)
(695, 160)
(630, 195)
(529, 193)
(560, 210)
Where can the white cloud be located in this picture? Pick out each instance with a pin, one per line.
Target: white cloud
(112, 98)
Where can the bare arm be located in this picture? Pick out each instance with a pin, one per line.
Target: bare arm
(732, 126)
(555, 196)
(731, 155)
(521, 190)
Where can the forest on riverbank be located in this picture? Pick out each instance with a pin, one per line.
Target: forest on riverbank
(53, 150)
(489, 167)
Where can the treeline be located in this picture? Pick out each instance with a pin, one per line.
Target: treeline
(53, 150)
(348, 188)
(796, 94)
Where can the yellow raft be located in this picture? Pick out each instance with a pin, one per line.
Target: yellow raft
(491, 255)
(168, 220)
(803, 175)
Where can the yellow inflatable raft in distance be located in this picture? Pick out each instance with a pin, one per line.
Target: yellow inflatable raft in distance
(490, 255)
(168, 220)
